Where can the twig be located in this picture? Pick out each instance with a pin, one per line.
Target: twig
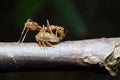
(70, 55)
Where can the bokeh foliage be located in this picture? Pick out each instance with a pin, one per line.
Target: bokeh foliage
(26, 9)
(83, 18)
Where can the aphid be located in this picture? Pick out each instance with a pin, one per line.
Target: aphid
(45, 37)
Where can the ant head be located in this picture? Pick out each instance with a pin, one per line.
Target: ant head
(61, 31)
(31, 25)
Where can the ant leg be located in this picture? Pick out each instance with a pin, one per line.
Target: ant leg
(39, 43)
(28, 20)
(44, 45)
(39, 28)
(48, 25)
(22, 33)
(43, 30)
(49, 44)
(23, 30)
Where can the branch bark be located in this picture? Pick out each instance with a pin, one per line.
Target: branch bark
(68, 55)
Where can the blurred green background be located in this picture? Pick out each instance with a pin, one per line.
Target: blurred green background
(84, 19)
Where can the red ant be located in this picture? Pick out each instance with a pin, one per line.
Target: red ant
(45, 37)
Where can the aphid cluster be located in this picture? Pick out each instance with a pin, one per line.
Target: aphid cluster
(46, 35)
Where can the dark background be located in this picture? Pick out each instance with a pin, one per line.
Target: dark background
(84, 19)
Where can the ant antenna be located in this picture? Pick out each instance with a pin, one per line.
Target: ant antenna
(23, 32)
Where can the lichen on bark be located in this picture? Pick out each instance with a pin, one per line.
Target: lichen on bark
(112, 62)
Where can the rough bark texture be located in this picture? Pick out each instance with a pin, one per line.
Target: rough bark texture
(68, 55)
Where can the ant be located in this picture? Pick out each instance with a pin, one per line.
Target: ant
(45, 37)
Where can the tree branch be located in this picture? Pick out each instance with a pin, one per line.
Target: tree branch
(68, 55)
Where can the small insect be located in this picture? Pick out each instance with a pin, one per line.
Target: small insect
(29, 25)
(45, 37)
